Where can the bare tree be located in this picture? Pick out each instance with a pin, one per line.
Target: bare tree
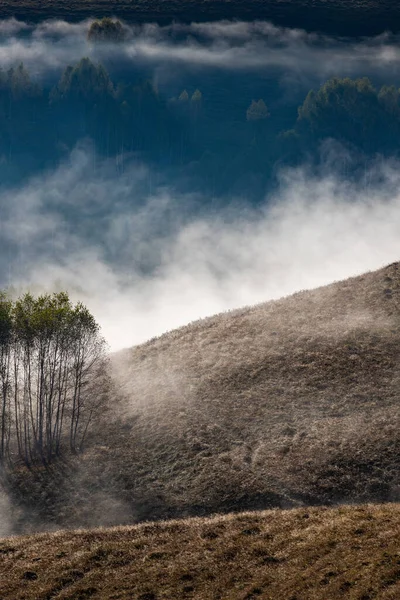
(6, 341)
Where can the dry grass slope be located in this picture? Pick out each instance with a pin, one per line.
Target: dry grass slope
(289, 403)
(346, 552)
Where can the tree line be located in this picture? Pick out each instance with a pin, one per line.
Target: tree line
(38, 126)
(53, 376)
(353, 111)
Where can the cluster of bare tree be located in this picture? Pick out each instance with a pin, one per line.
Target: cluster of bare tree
(52, 376)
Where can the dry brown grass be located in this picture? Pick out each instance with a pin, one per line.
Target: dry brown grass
(338, 17)
(289, 402)
(285, 404)
(346, 552)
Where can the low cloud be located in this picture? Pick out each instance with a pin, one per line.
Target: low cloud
(149, 261)
(225, 45)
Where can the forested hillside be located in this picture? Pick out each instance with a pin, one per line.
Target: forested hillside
(199, 135)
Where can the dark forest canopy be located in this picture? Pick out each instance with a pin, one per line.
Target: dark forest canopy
(218, 148)
(355, 112)
(106, 30)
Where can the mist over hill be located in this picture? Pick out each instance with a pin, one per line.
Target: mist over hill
(186, 170)
(163, 171)
(143, 177)
(288, 403)
(172, 176)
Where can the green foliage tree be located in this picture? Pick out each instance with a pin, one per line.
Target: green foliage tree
(106, 30)
(196, 102)
(51, 375)
(83, 104)
(84, 81)
(389, 99)
(22, 105)
(196, 105)
(146, 124)
(197, 97)
(183, 97)
(257, 111)
(352, 111)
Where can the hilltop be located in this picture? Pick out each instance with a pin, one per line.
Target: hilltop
(302, 554)
(289, 403)
(333, 17)
(292, 401)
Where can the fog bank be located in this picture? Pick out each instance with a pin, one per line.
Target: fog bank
(147, 259)
(258, 46)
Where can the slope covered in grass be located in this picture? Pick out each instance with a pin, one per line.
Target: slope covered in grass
(349, 552)
(289, 403)
(293, 401)
(335, 17)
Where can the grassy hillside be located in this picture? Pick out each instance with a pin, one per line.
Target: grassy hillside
(288, 403)
(293, 401)
(338, 17)
(349, 552)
